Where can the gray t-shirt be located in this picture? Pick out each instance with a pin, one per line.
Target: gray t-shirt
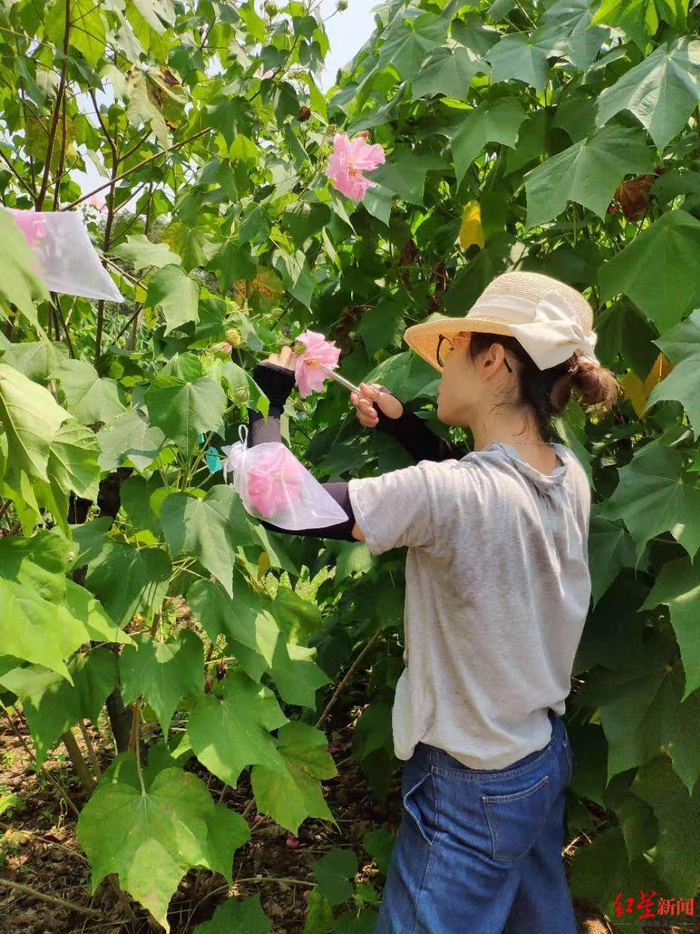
(497, 593)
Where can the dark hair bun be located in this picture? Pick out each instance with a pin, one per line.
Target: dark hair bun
(595, 384)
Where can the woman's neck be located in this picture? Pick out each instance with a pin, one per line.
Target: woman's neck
(519, 431)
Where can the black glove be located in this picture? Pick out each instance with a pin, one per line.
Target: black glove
(275, 381)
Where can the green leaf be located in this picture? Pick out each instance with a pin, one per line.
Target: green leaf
(640, 708)
(333, 872)
(652, 498)
(319, 917)
(662, 91)
(678, 587)
(36, 359)
(587, 172)
(295, 274)
(73, 460)
(296, 674)
(410, 41)
(379, 843)
(230, 732)
(81, 606)
(290, 798)
(89, 397)
(233, 263)
(245, 620)
(90, 537)
(163, 672)
(52, 705)
(237, 917)
(448, 71)
(30, 416)
(657, 269)
(405, 174)
(523, 56)
(610, 549)
(640, 19)
(136, 495)
(207, 528)
(149, 837)
(678, 814)
(382, 326)
(172, 290)
(496, 122)
(184, 410)
(228, 831)
(583, 41)
(682, 346)
(88, 29)
(129, 580)
(129, 436)
(20, 283)
(299, 619)
(142, 253)
(32, 585)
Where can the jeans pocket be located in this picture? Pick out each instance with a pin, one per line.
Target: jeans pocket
(419, 801)
(569, 760)
(516, 820)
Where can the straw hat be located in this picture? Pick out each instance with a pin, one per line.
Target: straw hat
(551, 320)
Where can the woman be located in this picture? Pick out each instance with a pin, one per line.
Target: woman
(497, 592)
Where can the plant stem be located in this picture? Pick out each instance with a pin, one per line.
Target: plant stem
(79, 764)
(52, 899)
(94, 761)
(137, 744)
(56, 114)
(351, 671)
(136, 167)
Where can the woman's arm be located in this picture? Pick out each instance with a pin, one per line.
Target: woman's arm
(277, 382)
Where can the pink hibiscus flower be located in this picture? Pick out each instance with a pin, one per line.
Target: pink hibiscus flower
(309, 376)
(32, 225)
(349, 160)
(98, 202)
(275, 481)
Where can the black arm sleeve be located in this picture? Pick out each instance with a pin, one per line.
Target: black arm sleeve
(415, 436)
(277, 382)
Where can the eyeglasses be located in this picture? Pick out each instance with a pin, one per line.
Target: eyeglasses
(445, 348)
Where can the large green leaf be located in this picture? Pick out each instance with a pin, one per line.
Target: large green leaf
(245, 619)
(640, 19)
(448, 71)
(73, 460)
(163, 672)
(183, 410)
(291, 798)
(652, 498)
(171, 289)
(610, 549)
(405, 174)
(52, 705)
(677, 811)
(31, 417)
(142, 253)
(573, 19)
(90, 398)
(662, 91)
(148, 836)
(208, 528)
(129, 580)
(496, 122)
(129, 436)
(657, 270)
(32, 585)
(523, 56)
(232, 731)
(82, 606)
(20, 283)
(682, 346)
(296, 674)
(333, 873)
(678, 587)
(587, 172)
(237, 917)
(410, 41)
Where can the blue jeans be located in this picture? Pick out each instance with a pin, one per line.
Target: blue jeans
(479, 850)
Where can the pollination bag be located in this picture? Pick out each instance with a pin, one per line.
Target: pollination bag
(275, 486)
(65, 257)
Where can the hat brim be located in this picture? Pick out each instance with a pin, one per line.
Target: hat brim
(423, 338)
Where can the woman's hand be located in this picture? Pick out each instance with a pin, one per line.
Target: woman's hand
(373, 392)
(284, 358)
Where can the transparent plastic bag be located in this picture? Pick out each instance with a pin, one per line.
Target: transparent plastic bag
(66, 259)
(275, 486)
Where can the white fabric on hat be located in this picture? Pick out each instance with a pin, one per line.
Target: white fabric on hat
(66, 259)
(547, 329)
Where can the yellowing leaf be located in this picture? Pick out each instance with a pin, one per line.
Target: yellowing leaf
(471, 230)
(637, 391)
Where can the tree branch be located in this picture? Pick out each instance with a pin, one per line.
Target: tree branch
(51, 899)
(56, 114)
